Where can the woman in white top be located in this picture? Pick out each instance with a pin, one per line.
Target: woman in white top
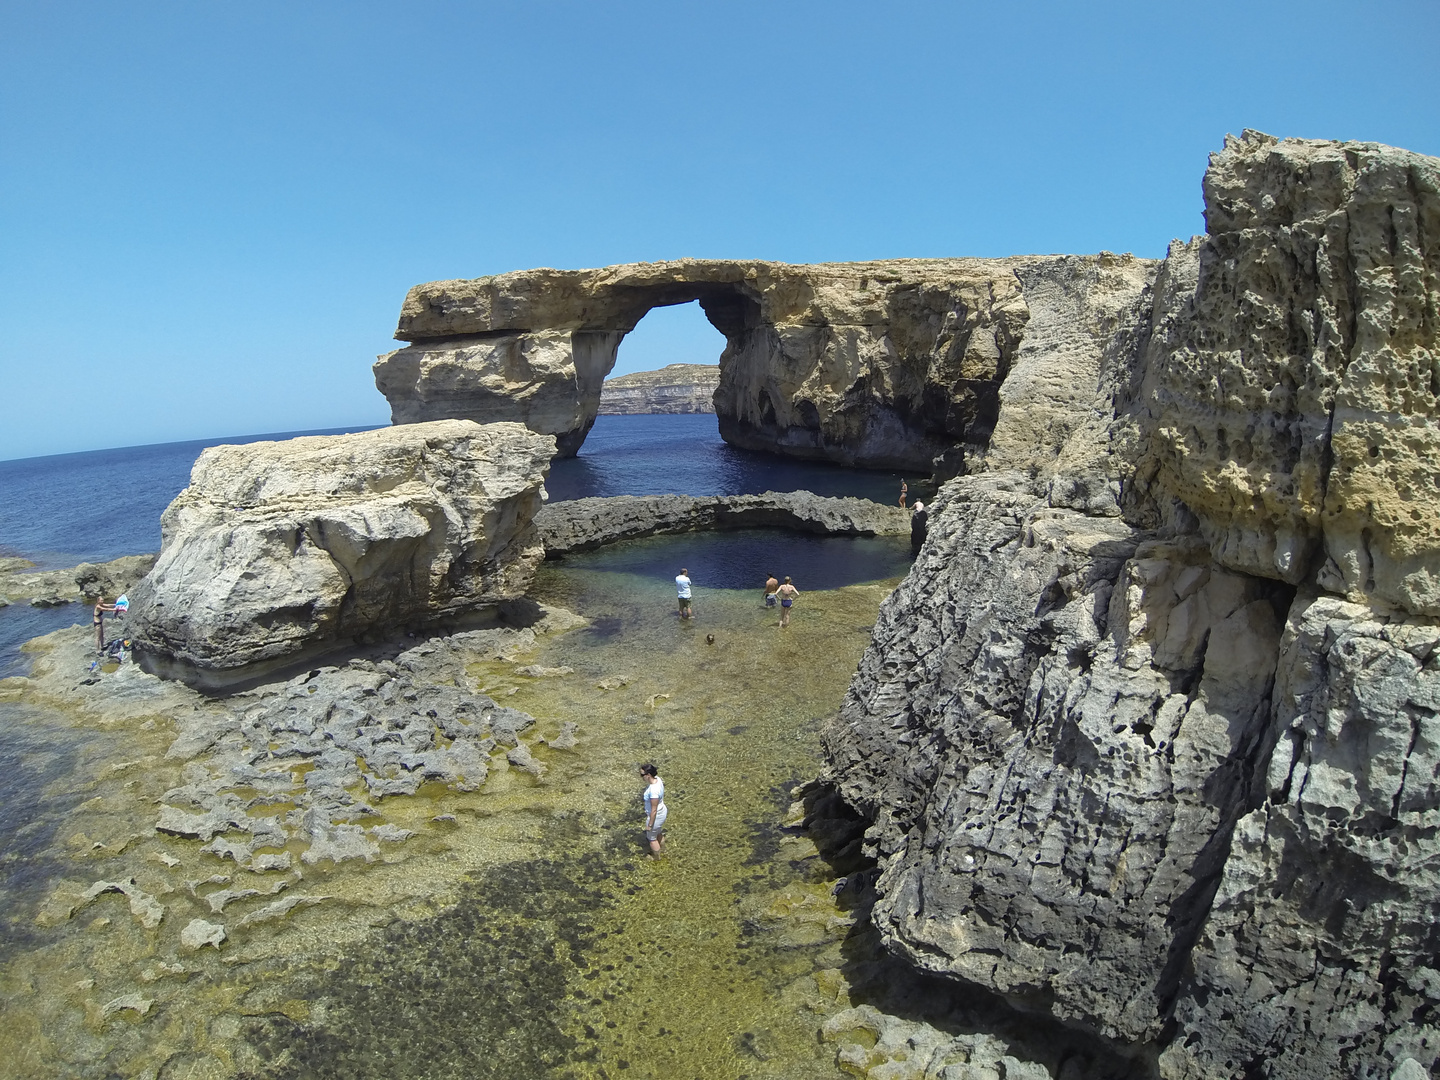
(655, 809)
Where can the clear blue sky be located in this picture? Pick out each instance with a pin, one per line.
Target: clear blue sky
(209, 213)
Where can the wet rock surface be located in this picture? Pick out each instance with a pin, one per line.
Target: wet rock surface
(586, 524)
(278, 551)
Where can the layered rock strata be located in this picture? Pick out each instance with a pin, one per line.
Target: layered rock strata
(278, 551)
(675, 388)
(1145, 738)
(883, 364)
(586, 524)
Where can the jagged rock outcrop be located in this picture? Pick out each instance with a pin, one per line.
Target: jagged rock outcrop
(675, 388)
(881, 364)
(586, 524)
(278, 551)
(1291, 396)
(1145, 738)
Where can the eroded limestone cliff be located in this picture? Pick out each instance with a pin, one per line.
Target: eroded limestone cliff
(1148, 738)
(675, 388)
(884, 364)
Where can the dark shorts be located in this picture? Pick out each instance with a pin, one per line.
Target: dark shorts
(770, 599)
(786, 603)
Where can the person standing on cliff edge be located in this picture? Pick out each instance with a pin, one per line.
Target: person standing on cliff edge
(918, 527)
(682, 587)
(98, 618)
(904, 490)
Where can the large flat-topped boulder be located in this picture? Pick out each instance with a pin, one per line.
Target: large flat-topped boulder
(279, 551)
(886, 364)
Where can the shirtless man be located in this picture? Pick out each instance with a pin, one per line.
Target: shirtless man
(787, 594)
(770, 586)
(98, 619)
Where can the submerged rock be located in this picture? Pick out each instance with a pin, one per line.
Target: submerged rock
(279, 551)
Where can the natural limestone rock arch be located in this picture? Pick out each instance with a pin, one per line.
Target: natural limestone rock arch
(882, 364)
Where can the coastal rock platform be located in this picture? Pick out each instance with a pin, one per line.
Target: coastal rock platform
(586, 524)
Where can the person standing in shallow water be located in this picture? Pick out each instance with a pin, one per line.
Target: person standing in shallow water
(655, 809)
(682, 587)
(770, 586)
(904, 490)
(787, 594)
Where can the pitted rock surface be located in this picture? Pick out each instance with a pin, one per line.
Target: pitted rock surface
(280, 551)
(585, 524)
(382, 727)
(1291, 398)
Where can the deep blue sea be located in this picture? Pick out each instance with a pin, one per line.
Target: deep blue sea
(71, 508)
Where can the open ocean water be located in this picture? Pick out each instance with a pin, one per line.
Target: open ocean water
(66, 509)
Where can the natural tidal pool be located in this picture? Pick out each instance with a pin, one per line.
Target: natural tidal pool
(522, 931)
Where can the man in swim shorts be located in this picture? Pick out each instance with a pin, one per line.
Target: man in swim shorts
(770, 586)
(655, 809)
(787, 594)
(682, 587)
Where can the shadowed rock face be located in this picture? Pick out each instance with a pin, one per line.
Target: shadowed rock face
(278, 551)
(884, 364)
(1148, 738)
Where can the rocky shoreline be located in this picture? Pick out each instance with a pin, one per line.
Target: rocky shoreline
(587, 524)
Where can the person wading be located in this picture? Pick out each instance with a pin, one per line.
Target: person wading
(787, 594)
(655, 809)
(682, 587)
(771, 584)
